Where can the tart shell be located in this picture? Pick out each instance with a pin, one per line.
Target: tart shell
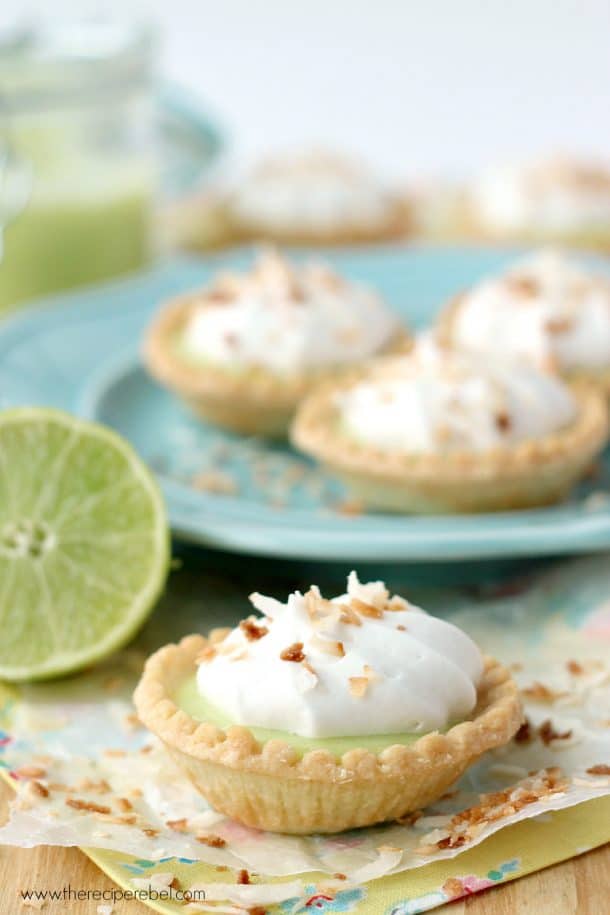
(531, 473)
(270, 786)
(253, 401)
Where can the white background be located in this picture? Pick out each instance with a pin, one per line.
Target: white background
(414, 85)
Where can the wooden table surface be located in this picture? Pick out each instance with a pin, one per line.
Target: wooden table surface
(580, 886)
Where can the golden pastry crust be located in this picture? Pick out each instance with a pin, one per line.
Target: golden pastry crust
(445, 329)
(270, 786)
(536, 472)
(253, 401)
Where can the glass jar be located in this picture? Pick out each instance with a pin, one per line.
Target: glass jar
(77, 155)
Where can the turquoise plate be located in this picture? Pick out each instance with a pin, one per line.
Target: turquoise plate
(80, 352)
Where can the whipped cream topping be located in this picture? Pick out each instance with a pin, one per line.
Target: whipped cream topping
(556, 196)
(315, 192)
(545, 308)
(436, 401)
(360, 664)
(287, 319)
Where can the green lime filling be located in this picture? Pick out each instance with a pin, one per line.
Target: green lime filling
(188, 698)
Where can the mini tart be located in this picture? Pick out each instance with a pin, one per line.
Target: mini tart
(530, 473)
(270, 786)
(312, 168)
(599, 377)
(397, 225)
(252, 401)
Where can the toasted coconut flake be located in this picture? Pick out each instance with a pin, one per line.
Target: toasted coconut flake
(124, 804)
(358, 686)
(121, 819)
(539, 692)
(574, 668)
(180, 825)
(599, 769)
(548, 734)
(212, 841)
(131, 722)
(60, 786)
(396, 604)
(559, 325)
(349, 616)
(365, 609)
(36, 789)
(503, 421)
(31, 772)
(467, 824)
(293, 653)
(401, 628)
(243, 877)
(86, 806)
(316, 605)
(252, 631)
(217, 482)
(453, 888)
(94, 787)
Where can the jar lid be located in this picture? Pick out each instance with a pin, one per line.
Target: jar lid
(58, 61)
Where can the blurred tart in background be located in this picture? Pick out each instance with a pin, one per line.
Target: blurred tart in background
(316, 199)
(438, 431)
(546, 308)
(551, 201)
(244, 351)
(557, 200)
(323, 715)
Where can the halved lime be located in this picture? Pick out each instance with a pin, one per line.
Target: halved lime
(84, 544)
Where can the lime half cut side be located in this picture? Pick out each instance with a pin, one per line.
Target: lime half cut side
(84, 544)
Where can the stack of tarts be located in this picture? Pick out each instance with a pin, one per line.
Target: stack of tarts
(245, 351)
(323, 715)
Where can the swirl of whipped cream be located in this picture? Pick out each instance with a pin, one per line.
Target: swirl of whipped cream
(556, 196)
(314, 192)
(437, 401)
(363, 663)
(545, 309)
(287, 319)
